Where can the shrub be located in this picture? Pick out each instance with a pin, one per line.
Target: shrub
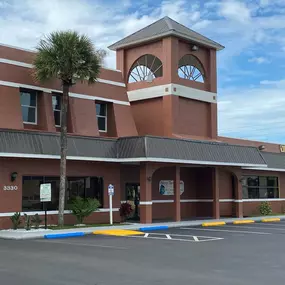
(82, 208)
(28, 223)
(126, 210)
(36, 220)
(16, 220)
(265, 209)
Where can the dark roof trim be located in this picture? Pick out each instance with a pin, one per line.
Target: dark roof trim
(23, 144)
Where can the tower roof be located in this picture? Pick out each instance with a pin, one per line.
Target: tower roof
(162, 28)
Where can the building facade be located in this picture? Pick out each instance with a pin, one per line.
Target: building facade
(149, 128)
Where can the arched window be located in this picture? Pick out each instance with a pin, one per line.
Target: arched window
(189, 67)
(145, 68)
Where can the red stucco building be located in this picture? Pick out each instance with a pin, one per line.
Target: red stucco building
(149, 128)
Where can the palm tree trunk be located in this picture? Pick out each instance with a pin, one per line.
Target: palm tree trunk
(63, 152)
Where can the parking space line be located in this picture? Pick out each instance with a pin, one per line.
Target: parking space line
(177, 237)
(229, 231)
(84, 244)
(252, 227)
(146, 235)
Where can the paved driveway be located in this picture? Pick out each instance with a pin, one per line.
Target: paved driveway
(233, 254)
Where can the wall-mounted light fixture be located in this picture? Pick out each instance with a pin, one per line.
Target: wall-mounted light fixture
(242, 180)
(194, 48)
(13, 176)
(149, 178)
(261, 147)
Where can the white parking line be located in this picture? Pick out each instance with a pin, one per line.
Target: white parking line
(229, 231)
(256, 227)
(146, 235)
(177, 237)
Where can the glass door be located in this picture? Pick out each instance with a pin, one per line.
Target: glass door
(133, 197)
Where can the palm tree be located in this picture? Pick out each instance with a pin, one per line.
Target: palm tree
(69, 57)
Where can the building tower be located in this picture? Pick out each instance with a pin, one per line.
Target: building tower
(171, 72)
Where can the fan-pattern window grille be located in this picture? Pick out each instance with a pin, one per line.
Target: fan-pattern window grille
(146, 68)
(189, 67)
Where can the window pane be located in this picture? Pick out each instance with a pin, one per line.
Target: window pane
(252, 181)
(101, 109)
(31, 193)
(253, 193)
(56, 102)
(272, 182)
(75, 187)
(56, 117)
(29, 114)
(101, 123)
(28, 98)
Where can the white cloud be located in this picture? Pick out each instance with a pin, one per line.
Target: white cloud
(259, 60)
(253, 113)
(235, 10)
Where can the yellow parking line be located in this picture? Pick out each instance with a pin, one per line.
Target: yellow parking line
(243, 222)
(117, 232)
(212, 224)
(269, 220)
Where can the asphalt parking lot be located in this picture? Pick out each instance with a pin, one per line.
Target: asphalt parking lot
(231, 254)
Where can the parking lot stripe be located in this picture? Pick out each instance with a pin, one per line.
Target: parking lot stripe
(229, 231)
(146, 235)
(195, 238)
(168, 236)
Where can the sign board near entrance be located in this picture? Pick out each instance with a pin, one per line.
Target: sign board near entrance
(111, 190)
(166, 187)
(45, 192)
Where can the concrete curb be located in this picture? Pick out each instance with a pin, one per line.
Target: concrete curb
(26, 235)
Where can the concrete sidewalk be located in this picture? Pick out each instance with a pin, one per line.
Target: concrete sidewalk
(20, 235)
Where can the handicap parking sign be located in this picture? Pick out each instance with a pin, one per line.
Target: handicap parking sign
(111, 190)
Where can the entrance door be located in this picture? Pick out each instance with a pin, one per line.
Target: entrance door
(133, 197)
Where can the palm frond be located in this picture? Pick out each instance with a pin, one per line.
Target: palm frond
(67, 56)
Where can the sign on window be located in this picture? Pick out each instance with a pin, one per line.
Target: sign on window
(166, 187)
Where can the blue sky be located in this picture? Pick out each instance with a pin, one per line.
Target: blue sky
(251, 69)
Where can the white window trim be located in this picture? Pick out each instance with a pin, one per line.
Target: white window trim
(57, 110)
(100, 116)
(36, 112)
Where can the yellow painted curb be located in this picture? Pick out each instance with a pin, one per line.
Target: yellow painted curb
(212, 224)
(271, 220)
(243, 222)
(117, 232)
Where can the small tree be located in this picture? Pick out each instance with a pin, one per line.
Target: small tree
(69, 57)
(16, 220)
(82, 208)
(265, 209)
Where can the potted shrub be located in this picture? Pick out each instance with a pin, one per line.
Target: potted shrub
(82, 208)
(126, 210)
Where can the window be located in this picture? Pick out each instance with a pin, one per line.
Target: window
(85, 187)
(260, 187)
(101, 114)
(56, 106)
(29, 106)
